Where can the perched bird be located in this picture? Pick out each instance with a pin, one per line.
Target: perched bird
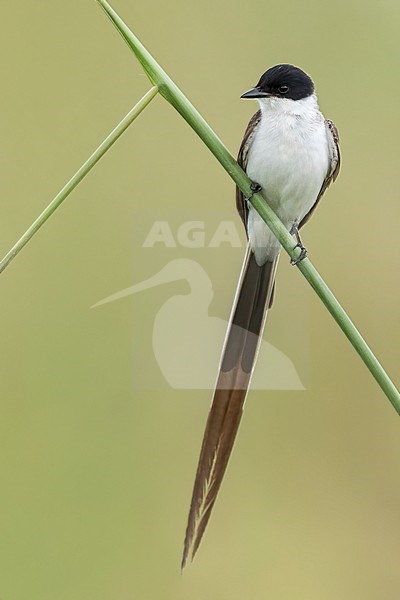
(291, 153)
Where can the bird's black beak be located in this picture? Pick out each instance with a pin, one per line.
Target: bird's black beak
(255, 92)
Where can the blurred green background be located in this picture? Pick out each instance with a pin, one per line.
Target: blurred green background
(96, 472)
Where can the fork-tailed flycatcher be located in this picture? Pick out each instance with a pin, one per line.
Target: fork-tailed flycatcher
(291, 153)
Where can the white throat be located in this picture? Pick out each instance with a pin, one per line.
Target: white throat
(273, 106)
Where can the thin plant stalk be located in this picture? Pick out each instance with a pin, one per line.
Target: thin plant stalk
(79, 175)
(178, 100)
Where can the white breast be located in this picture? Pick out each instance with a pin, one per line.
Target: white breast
(289, 158)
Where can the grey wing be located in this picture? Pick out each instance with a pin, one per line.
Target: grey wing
(241, 203)
(334, 167)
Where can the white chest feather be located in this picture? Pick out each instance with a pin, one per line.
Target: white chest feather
(289, 158)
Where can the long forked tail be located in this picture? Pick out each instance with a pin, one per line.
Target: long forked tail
(253, 298)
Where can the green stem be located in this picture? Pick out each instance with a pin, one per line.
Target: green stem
(174, 96)
(79, 175)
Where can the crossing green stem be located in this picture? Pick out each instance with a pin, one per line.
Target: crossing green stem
(79, 175)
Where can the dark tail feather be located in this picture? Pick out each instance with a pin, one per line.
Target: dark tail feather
(253, 298)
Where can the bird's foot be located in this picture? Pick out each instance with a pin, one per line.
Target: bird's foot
(255, 188)
(301, 256)
(303, 250)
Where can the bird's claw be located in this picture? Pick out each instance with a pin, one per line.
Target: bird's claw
(255, 188)
(301, 256)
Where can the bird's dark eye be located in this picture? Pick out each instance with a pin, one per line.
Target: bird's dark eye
(283, 89)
